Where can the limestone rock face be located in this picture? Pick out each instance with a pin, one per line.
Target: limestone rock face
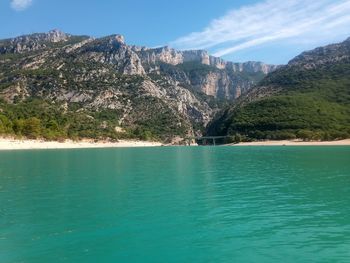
(112, 50)
(136, 83)
(56, 36)
(210, 75)
(32, 42)
(171, 56)
(251, 67)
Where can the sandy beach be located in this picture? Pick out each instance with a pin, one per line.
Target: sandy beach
(294, 143)
(18, 144)
(15, 144)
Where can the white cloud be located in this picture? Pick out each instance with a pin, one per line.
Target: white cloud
(20, 5)
(271, 21)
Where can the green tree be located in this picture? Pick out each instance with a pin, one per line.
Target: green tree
(18, 126)
(32, 128)
(5, 125)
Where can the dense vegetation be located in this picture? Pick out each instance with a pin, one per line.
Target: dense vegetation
(40, 115)
(41, 119)
(37, 118)
(56, 90)
(307, 104)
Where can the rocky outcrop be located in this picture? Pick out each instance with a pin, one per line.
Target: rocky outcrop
(112, 50)
(220, 79)
(136, 83)
(251, 67)
(333, 53)
(171, 56)
(55, 36)
(175, 57)
(32, 42)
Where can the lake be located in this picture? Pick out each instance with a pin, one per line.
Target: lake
(176, 204)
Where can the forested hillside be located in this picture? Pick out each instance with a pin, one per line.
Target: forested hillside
(307, 99)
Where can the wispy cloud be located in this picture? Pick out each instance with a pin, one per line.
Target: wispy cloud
(20, 5)
(270, 21)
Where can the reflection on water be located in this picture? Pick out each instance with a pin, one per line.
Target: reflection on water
(249, 204)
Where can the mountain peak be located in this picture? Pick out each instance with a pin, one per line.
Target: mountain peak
(57, 35)
(119, 38)
(114, 39)
(56, 31)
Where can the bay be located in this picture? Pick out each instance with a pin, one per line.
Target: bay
(176, 204)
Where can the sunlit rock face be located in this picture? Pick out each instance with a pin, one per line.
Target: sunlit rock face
(107, 73)
(208, 74)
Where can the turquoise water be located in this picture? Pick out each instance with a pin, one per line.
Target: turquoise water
(201, 204)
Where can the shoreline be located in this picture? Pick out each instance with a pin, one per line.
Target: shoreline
(294, 143)
(7, 144)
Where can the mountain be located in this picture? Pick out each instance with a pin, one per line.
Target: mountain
(59, 85)
(308, 99)
(204, 73)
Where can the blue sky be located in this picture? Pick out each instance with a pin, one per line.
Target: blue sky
(272, 31)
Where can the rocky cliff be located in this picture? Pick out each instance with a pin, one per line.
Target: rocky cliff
(208, 74)
(221, 79)
(164, 91)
